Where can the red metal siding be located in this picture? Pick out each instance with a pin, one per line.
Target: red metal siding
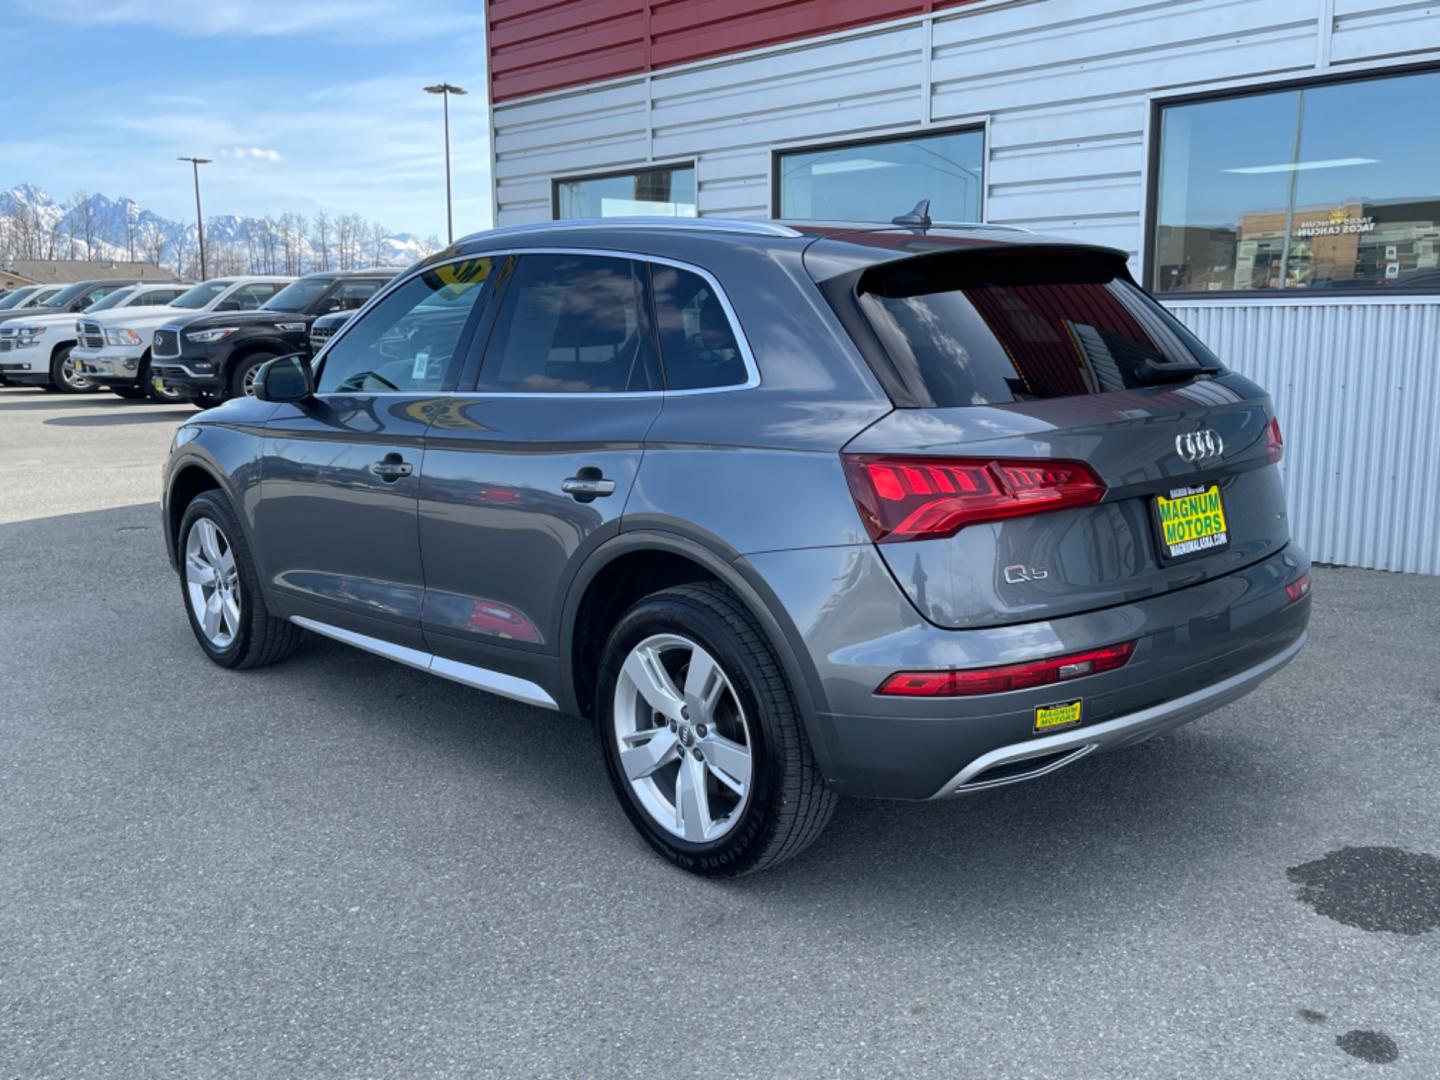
(538, 45)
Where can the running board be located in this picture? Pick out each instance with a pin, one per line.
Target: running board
(493, 682)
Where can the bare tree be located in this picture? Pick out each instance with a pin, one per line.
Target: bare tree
(152, 242)
(320, 242)
(87, 222)
(378, 237)
(429, 246)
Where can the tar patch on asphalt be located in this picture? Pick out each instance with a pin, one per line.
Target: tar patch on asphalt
(1373, 1046)
(1373, 888)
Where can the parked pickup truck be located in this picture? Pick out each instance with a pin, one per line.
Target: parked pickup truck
(214, 358)
(35, 343)
(114, 346)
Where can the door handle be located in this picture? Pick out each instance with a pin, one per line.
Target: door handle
(391, 468)
(588, 484)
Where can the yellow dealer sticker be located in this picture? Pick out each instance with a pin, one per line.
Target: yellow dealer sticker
(1050, 717)
(1192, 520)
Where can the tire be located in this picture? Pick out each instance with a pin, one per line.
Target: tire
(63, 378)
(129, 393)
(147, 389)
(785, 803)
(203, 401)
(242, 374)
(255, 637)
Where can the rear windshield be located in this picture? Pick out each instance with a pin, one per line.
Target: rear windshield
(1020, 325)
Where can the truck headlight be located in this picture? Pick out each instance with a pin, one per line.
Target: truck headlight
(123, 337)
(205, 337)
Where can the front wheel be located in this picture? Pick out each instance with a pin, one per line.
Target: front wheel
(63, 375)
(221, 590)
(703, 743)
(242, 379)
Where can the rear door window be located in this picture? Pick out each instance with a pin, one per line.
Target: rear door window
(571, 324)
(1007, 326)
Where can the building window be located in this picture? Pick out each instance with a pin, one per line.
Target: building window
(668, 191)
(880, 179)
(1328, 186)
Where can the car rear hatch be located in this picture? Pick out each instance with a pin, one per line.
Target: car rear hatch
(1062, 444)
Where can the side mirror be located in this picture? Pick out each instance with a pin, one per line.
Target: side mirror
(286, 378)
(333, 305)
(228, 305)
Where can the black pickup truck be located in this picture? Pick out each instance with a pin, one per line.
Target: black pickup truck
(215, 357)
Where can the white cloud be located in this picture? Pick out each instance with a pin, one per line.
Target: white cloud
(250, 152)
(355, 19)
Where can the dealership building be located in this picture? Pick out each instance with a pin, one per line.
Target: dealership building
(1272, 167)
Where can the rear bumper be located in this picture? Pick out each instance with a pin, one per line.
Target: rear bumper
(1196, 649)
(1036, 757)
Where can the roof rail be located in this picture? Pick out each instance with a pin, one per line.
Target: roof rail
(978, 225)
(687, 224)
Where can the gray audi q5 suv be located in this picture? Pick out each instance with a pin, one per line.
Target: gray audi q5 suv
(786, 512)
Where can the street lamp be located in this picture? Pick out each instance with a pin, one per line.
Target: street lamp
(195, 163)
(444, 89)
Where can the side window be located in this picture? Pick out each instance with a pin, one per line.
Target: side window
(571, 324)
(697, 342)
(352, 294)
(250, 297)
(408, 342)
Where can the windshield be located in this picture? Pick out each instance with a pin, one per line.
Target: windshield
(298, 295)
(115, 299)
(1006, 327)
(201, 294)
(70, 292)
(12, 299)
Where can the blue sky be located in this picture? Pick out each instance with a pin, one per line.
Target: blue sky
(304, 105)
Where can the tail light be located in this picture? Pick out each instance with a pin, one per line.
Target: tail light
(997, 680)
(1299, 588)
(1274, 441)
(919, 498)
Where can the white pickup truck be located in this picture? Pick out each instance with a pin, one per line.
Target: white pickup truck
(35, 349)
(114, 346)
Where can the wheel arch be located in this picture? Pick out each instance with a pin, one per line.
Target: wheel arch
(600, 593)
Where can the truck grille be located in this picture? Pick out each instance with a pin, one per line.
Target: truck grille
(91, 335)
(7, 339)
(166, 343)
(319, 335)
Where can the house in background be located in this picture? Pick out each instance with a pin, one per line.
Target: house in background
(16, 272)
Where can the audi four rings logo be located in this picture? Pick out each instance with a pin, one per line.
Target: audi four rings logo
(1197, 446)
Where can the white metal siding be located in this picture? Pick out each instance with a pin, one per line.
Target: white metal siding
(1064, 88)
(1357, 389)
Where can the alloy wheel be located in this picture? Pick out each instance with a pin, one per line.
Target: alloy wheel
(247, 381)
(684, 744)
(72, 378)
(213, 583)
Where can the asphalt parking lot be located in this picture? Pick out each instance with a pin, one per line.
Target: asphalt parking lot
(340, 867)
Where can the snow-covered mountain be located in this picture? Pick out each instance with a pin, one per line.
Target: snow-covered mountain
(35, 225)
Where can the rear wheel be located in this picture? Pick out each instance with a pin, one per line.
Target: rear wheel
(702, 739)
(242, 378)
(220, 587)
(63, 376)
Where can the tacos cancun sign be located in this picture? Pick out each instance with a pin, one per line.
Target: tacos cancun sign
(1338, 222)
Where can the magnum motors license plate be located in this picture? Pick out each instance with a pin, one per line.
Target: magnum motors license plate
(1050, 717)
(1191, 521)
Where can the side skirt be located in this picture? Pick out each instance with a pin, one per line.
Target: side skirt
(493, 682)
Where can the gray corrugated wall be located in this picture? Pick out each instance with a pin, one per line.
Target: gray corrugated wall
(1063, 87)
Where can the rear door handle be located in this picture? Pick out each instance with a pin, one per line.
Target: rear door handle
(587, 485)
(391, 468)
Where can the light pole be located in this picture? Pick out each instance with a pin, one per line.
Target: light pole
(444, 89)
(195, 163)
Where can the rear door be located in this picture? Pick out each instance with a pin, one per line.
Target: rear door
(1065, 444)
(531, 467)
(341, 473)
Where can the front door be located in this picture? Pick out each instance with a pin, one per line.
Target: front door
(532, 466)
(341, 473)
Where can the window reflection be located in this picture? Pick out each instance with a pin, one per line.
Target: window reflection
(663, 192)
(1324, 187)
(879, 180)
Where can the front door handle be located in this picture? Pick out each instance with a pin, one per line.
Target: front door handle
(587, 485)
(391, 468)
